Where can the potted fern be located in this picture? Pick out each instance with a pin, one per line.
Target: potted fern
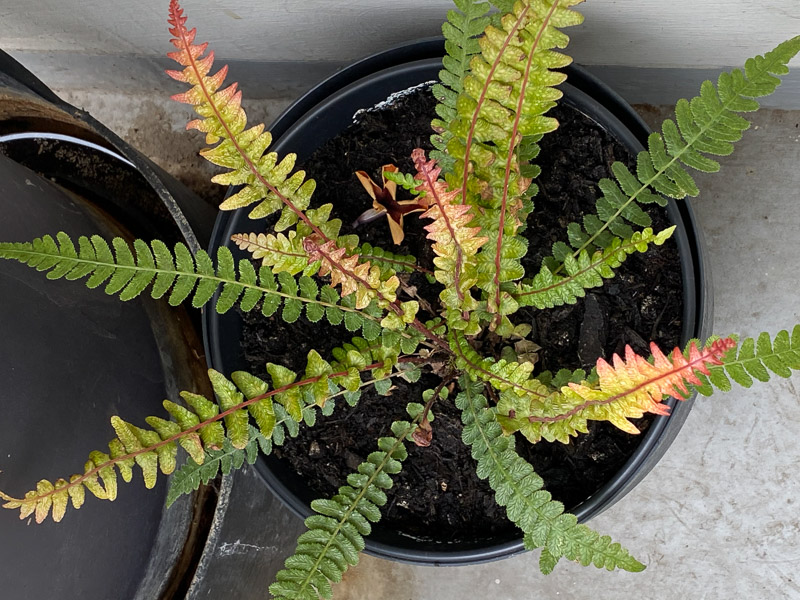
(441, 512)
(475, 192)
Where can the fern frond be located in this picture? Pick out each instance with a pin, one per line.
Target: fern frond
(548, 289)
(707, 124)
(520, 490)
(285, 253)
(505, 95)
(267, 180)
(226, 459)
(404, 180)
(390, 262)
(335, 535)
(754, 359)
(502, 375)
(280, 252)
(189, 477)
(182, 276)
(204, 426)
(460, 30)
(454, 242)
(626, 390)
(361, 279)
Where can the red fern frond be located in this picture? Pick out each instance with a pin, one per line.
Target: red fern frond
(627, 389)
(205, 88)
(634, 386)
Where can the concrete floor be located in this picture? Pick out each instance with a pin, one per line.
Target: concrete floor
(719, 517)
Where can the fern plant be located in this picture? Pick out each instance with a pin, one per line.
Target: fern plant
(499, 79)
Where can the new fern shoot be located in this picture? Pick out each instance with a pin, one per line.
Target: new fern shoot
(498, 82)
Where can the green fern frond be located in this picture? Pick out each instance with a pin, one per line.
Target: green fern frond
(335, 535)
(520, 490)
(707, 124)
(461, 31)
(503, 375)
(228, 458)
(182, 275)
(388, 261)
(509, 87)
(548, 289)
(404, 180)
(754, 359)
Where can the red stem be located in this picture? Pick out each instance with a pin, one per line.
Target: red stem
(482, 99)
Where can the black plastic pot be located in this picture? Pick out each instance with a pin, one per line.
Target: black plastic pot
(72, 357)
(328, 109)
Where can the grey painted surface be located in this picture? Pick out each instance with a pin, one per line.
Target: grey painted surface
(131, 76)
(678, 33)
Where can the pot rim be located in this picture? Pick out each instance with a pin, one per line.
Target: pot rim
(590, 96)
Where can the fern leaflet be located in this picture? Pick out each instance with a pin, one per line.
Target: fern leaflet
(182, 275)
(505, 95)
(203, 426)
(189, 477)
(547, 289)
(626, 389)
(267, 180)
(461, 31)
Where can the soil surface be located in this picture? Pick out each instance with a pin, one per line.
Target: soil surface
(438, 495)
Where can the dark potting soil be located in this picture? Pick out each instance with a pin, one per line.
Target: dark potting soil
(438, 495)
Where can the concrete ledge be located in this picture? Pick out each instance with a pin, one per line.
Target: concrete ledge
(288, 79)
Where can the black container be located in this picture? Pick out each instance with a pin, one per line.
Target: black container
(328, 109)
(72, 357)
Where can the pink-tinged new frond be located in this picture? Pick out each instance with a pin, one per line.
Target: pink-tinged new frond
(454, 241)
(362, 279)
(265, 180)
(220, 109)
(633, 386)
(627, 389)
